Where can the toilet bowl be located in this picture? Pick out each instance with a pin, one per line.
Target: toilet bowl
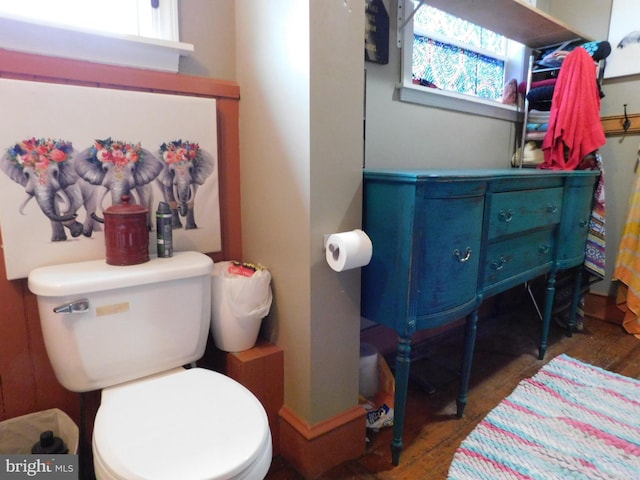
(128, 331)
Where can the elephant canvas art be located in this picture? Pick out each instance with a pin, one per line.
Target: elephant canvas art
(122, 168)
(44, 167)
(185, 167)
(69, 152)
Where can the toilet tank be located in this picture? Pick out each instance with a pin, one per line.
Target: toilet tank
(126, 322)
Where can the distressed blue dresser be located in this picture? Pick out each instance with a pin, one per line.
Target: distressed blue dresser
(445, 240)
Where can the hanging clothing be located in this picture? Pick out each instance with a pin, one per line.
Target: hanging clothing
(627, 269)
(574, 129)
(594, 260)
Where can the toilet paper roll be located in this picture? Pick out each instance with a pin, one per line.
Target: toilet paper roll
(348, 250)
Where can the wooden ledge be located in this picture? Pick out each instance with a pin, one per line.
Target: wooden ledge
(614, 125)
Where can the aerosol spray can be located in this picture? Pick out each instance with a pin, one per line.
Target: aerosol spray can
(164, 230)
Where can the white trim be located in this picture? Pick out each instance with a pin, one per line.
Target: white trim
(76, 43)
(161, 22)
(457, 102)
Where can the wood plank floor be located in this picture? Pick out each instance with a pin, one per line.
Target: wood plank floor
(506, 352)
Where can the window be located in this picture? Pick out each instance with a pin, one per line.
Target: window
(451, 63)
(139, 33)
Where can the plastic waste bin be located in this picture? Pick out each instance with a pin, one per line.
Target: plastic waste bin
(18, 435)
(368, 384)
(240, 298)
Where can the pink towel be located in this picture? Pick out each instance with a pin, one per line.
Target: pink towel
(574, 121)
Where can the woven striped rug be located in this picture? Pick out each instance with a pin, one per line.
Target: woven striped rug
(570, 420)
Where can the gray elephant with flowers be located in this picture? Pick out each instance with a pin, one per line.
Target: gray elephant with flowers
(185, 167)
(44, 167)
(122, 169)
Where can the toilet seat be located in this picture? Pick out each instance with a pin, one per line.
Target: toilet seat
(183, 424)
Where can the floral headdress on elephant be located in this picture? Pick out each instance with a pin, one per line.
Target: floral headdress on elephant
(143, 166)
(38, 153)
(178, 151)
(181, 154)
(116, 152)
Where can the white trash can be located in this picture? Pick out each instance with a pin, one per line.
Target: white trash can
(368, 384)
(18, 435)
(240, 298)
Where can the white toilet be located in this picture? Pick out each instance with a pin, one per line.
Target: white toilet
(129, 331)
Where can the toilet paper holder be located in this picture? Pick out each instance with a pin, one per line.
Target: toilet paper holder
(325, 239)
(334, 249)
(347, 250)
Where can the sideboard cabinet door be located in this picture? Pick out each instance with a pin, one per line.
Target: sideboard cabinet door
(575, 225)
(426, 234)
(446, 276)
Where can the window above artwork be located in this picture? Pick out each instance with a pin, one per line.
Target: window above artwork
(125, 33)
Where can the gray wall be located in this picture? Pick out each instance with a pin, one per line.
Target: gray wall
(210, 26)
(301, 146)
(404, 135)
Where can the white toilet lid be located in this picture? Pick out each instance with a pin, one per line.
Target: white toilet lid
(183, 424)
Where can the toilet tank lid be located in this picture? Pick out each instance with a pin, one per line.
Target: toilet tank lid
(97, 275)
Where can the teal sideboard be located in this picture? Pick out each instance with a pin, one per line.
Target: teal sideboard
(445, 240)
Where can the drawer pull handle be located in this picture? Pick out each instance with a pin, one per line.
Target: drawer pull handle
(458, 255)
(505, 216)
(499, 265)
(544, 248)
(552, 208)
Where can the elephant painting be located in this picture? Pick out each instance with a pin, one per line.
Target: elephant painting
(122, 168)
(186, 166)
(44, 168)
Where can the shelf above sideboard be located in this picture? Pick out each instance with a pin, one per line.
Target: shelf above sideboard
(514, 19)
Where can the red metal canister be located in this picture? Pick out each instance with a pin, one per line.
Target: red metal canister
(126, 233)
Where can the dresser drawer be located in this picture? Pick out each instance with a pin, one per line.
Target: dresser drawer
(514, 212)
(515, 257)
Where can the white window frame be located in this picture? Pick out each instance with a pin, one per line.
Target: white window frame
(141, 51)
(515, 67)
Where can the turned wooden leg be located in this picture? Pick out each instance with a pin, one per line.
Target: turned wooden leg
(403, 364)
(471, 327)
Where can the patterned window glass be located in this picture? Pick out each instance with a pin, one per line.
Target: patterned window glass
(465, 65)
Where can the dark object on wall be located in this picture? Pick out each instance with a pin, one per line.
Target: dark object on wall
(376, 32)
